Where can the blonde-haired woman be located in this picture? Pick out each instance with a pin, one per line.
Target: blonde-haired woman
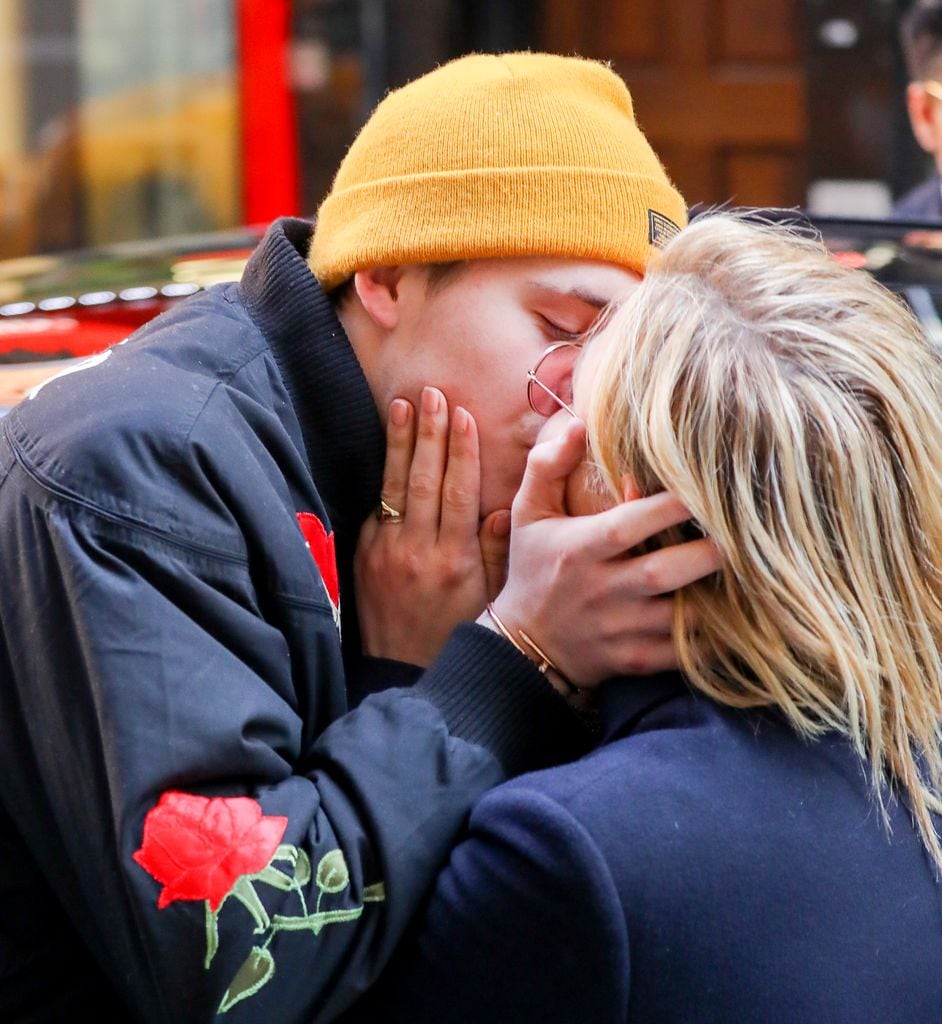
(757, 840)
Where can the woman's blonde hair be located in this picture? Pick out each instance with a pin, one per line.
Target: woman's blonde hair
(795, 407)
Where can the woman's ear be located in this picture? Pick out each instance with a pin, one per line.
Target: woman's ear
(378, 291)
(629, 489)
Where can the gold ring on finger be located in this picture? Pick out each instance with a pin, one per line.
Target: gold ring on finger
(385, 513)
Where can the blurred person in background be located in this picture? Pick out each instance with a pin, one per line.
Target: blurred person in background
(921, 42)
(757, 839)
(193, 821)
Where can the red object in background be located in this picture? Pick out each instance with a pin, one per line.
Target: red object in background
(77, 332)
(269, 127)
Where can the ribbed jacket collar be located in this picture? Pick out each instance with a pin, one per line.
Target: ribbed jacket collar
(341, 428)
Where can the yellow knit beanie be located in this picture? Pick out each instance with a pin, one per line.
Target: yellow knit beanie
(518, 154)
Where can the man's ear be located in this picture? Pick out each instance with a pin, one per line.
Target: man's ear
(920, 106)
(378, 291)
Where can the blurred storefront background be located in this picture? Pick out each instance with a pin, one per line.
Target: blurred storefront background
(127, 119)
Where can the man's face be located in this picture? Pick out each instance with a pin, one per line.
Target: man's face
(477, 334)
(585, 491)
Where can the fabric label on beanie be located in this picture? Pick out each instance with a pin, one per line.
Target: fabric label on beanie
(661, 229)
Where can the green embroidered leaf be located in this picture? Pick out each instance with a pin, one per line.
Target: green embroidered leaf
(286, 852)
(332, 873)
(212, 936)
(273, 877)
(299, 860)
(257, 970)
(245, 893)
(374, 893)
(302, 870)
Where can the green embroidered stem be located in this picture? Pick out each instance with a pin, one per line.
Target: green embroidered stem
(212, 936)
(332, 877)
(314, 922)
(244, 892)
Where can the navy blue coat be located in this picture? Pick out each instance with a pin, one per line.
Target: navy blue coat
(702, 865)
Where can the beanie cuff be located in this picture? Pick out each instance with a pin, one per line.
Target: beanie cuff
(495, 213)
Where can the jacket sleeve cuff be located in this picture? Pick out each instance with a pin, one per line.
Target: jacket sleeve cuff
(492, 695)
(373, 675)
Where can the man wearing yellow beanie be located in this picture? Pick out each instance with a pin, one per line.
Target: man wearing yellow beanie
(523, 154)
(192, 815)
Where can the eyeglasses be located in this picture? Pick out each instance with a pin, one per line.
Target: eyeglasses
(549, 383)
(933, 88)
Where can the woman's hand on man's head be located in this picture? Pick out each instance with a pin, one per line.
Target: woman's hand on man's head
(594, 609)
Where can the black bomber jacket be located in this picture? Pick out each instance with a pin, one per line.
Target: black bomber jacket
(192, 822)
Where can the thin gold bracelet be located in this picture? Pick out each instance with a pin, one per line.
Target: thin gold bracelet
(546, 663)
(505, 632)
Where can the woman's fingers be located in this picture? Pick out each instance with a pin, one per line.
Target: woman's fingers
(418, 577)
(619, 529)
(461, 487)
(670, 568)
(400, 444)
(494, 537)
(543, 491)
(433, 469)
(426, 475)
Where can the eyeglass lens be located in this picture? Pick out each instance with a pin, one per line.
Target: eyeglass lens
(554, 373)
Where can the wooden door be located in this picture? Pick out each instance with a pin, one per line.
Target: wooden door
(718, 87)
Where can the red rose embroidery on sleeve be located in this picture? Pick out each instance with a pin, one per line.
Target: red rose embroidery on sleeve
(210, 849)
(321, 545)
(197, 846)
